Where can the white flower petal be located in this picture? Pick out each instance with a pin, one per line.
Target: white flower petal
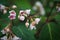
(32, 27)
(39, 4)
(22, 18)
(3, 31)
(12, 11)
(37, 20)
(28, 11)
(42, 11)
(34, 8)
(21, 11)
(16, 38)
(2, 6)
(59, 9)
(4, 38)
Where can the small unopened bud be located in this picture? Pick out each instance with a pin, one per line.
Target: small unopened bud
(27, 24)
(14, 6)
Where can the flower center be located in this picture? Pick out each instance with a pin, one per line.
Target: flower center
(12, 13)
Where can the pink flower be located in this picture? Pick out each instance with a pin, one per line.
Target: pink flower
(12, 15)
(12, 12)
(22, 18)
(21, 12)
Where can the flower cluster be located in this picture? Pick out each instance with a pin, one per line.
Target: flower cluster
(23, 14)
(4, 31)
(14, 38)
(33, 24)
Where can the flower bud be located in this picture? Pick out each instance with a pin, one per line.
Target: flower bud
(27, 24)
(4, 11)
(14, 6)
